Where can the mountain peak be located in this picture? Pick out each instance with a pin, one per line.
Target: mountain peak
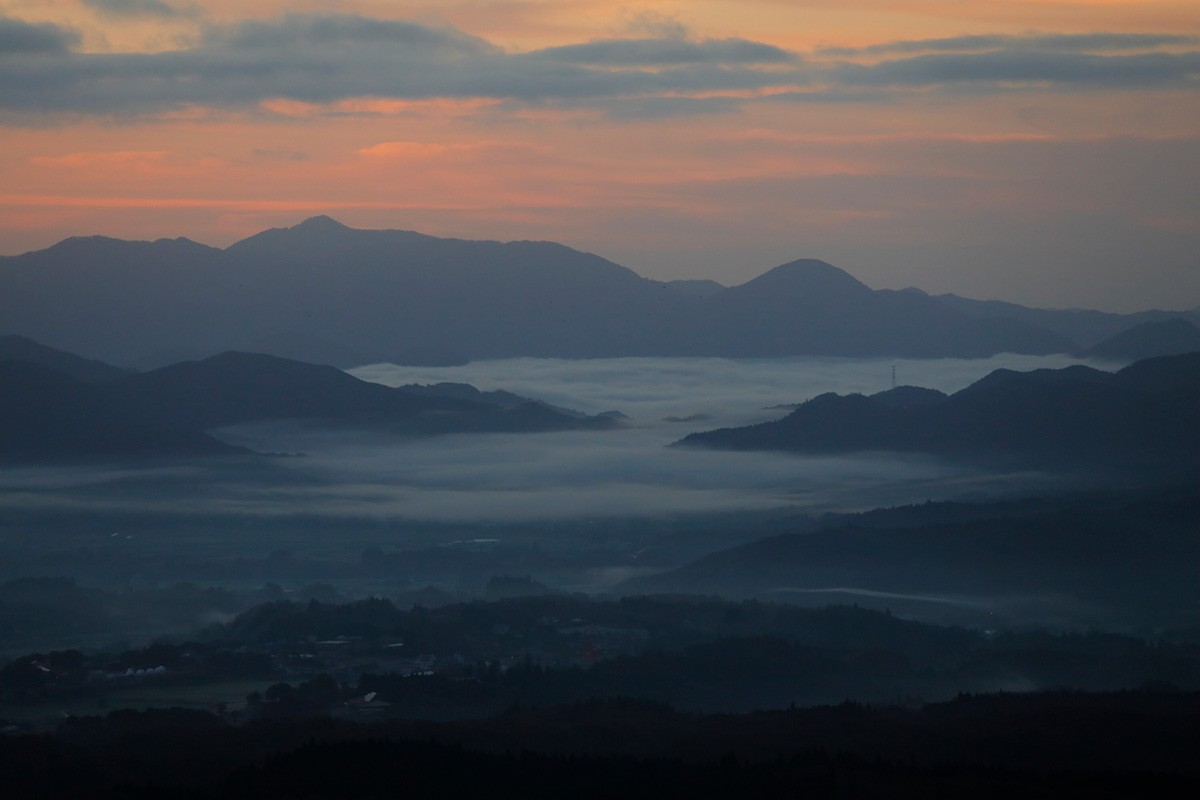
(811, 276)
(320, 223)
(313, 234)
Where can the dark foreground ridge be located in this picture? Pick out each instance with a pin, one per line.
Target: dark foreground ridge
(372, 659)
(742, 698)
(1054, 744)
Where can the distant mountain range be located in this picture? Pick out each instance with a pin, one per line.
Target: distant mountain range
(1086, 328)
(1166, 337)
(48, 413)
(323, 292)
(1144, 414)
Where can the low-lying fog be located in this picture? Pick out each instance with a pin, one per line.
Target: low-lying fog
(512, 477)
(631, 470)
(654, 391)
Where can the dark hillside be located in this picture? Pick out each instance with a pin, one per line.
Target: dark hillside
(20, 348)
(1142, 415)
(1166, 337)
(48, 416)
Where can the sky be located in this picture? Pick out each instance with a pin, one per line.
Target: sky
(1040, 151)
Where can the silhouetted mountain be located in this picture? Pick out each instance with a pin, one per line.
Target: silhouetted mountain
(809, 307)
(1144, 414)
(1084, 326)
(909, 397)
(1166, 337)
(46, 415)
(246, 387)
(20, 348)
(403, 295)
(321, 291)
(495, 397)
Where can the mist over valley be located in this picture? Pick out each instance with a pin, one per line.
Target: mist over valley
(309, 489)
(453, 537)
(346, 470)
(599, 400)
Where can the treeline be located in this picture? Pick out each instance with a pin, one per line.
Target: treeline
(704, 654)
(740, 674)
(1042, 745)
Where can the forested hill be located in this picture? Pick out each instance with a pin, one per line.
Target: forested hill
(54, 415)
(1142, 415)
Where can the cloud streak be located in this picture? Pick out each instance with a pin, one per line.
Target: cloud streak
(23, 39)
(1062, 43)
(140, 8)
(324, 59)
(667, 52)
(1051, 69)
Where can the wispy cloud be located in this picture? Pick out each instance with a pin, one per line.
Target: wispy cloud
(667, 52)
(324, 59)
(21, 39)
(329, 59)
(142, 8)
(1062, 43)
(656, 24)
(1027, 67)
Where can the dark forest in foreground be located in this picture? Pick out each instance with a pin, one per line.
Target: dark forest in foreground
(1035, 745)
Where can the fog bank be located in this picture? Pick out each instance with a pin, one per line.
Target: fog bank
(578, 474)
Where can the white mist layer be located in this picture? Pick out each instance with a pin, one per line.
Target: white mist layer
(578, 474)
(722, 391)
(631, 471)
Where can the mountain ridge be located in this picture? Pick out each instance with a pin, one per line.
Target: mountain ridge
(1140, 416)
(1162, 337)
(48, 415)
(323, 291)
(87, 370)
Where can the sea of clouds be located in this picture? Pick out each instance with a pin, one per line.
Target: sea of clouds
(576, 474)
(632, 470)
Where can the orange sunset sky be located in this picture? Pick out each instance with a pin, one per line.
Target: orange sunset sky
(1036, 151)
